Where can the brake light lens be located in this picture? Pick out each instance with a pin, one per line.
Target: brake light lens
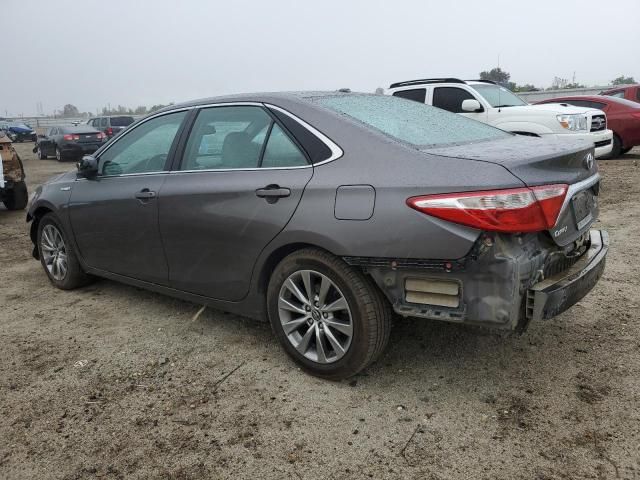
(70, 137)
(101, 136)
(528, 209)
(110, 131)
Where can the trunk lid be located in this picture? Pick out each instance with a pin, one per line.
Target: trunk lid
(88, 137)
(542, 161)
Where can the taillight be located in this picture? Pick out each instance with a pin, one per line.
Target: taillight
(101, 136)
(513, 210)
(110, 131)
(71, 137)
(636, 115)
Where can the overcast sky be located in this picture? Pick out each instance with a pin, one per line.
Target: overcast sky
(133, 52)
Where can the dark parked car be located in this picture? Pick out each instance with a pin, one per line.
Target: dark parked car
(66, 143)
(325, 212)
(18, 132)
(111, 126)
(630, 92)
(623, 117)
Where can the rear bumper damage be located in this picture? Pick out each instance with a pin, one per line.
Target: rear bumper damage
(505, 281)
(554, 295)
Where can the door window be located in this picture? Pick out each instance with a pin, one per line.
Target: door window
(103, 122)
(619, 94)
(417, 94)
(144, 149)
(450, 98)
(234, 138)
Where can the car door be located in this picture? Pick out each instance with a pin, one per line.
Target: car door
(239, 181)
(451, 98)
(114, 217)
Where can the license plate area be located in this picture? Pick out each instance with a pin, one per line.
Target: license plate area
(582, 206)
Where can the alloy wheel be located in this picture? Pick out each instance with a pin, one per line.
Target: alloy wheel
(315, 316)
(54, 252)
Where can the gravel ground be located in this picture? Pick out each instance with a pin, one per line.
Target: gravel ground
(114, 382)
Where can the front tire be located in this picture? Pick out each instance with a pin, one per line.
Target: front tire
(57, 257)
(616, 150)
(626, 150)
(329, 317)
(18, 197)
(41, 154)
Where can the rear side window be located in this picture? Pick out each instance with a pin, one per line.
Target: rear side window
(450, 98)
(103, 122)
(316, 149)
(281, 151)
(121, 121)
(416, 94)
(410, 122)
(618, 94)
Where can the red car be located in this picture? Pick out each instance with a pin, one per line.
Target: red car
(630, 92)
(623, 117)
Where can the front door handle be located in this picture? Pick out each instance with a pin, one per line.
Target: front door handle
(145, 194)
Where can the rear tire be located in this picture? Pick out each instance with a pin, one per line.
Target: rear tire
(59, 156)
(41, 154)
(18, 198)
(348, 314)
(625, 150)
(57, 256)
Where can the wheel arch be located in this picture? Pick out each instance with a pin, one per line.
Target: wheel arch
(34, 217)
(275, 257)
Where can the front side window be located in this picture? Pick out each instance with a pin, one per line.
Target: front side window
(238, 137)
(415, 94)
(144, 149)
(450, 98)
(497, 96)
(410, 122)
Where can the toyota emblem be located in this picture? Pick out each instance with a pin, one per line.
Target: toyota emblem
(588, 161)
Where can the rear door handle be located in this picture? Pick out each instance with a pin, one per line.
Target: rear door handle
(145, 194)
(273, 192)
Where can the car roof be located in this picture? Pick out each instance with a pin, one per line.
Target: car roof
(264, 97)
(623, 102)
(621, 87)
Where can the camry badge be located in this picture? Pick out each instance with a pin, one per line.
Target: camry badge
(588, 161)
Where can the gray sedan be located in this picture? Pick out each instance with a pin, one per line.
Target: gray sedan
(327, 212)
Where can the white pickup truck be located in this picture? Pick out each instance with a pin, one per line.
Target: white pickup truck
(491, 103)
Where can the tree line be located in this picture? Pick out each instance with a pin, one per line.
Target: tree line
(71, 111)
(503, 77)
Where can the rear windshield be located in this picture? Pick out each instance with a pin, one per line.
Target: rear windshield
(121, 121)
(411, 122)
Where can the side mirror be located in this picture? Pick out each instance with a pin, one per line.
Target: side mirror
(88, 167)
(471, 105)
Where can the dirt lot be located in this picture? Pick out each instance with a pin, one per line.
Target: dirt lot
(115, 382)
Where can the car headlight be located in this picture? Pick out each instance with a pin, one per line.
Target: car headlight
(574, 123)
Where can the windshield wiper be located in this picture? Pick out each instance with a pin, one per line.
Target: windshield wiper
(502, 106)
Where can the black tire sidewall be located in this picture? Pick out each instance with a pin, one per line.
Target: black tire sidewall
(358, 350)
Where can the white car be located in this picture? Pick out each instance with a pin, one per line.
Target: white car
(491, 103)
